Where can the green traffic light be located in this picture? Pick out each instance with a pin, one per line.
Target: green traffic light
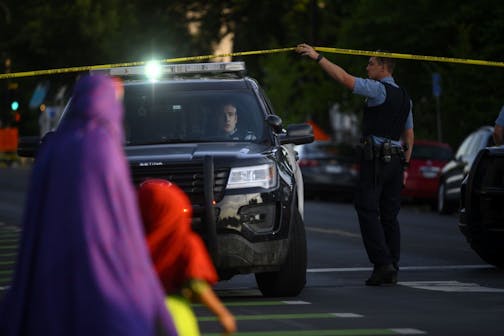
(14, 106)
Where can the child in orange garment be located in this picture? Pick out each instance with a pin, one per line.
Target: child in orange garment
(179, 255)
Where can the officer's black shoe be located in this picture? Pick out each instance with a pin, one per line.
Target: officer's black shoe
(383, 275)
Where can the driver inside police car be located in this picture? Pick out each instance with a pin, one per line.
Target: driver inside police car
(228, 120)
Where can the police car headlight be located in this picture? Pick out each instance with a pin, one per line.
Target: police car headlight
(262, 176)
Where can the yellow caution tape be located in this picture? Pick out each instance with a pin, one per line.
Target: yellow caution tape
(255, 52)
(129, 64)
(242, 53)
(409, 56)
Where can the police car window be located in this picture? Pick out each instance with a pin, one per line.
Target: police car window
(163, 116)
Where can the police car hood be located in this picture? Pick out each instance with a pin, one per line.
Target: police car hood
(162, 154)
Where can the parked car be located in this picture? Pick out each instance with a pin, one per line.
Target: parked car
(328, 167)
(481, 216)
(455, 171)
(246, 191)
(427, 160)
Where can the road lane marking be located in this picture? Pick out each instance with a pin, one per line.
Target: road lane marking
(403, 268)
(10, 228)
(257, 303)
(333, 332)
(239, 291)
(408, 331)
(284, 316)
(333, 231)
(8, 247)
(338, 269)
(9, 240)
(451, 286)
(272, 317)
(347, 315)
(12, 254)
(7, 262)
(10, 233)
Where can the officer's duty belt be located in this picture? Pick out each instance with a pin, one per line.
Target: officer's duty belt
(394, 150)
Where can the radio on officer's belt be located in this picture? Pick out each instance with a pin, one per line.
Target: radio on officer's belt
(386, 152)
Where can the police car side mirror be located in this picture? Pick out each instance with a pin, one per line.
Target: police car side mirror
(275, 122)
(298, 134)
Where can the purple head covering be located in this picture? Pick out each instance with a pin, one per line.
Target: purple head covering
(83, 266)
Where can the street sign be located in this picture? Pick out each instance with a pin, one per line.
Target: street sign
(39, 95)
(436, 84)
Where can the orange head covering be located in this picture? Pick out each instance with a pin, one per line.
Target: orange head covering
(178, 253)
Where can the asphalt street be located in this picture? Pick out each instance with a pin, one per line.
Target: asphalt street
(444, 287)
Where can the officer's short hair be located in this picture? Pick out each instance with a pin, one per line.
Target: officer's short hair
(387, 61)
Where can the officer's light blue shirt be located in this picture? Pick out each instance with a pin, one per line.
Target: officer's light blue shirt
(500, 119)
(375, 94)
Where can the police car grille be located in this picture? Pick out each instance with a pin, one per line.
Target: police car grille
(188, 177)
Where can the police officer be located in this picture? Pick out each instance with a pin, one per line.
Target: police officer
(383, 159)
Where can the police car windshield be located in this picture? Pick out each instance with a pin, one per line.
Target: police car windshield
(156, 114)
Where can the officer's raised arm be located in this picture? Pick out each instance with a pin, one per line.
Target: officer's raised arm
(333, 70)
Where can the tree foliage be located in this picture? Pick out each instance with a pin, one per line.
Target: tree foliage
(63, 33)
(461, 29)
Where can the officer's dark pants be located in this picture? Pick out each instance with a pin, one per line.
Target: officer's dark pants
(377, 202)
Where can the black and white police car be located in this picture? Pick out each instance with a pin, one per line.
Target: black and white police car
(246, 192)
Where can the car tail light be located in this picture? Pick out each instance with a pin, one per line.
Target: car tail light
(309, 163)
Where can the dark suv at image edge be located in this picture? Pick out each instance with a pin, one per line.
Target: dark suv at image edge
(481, 216)
(247, 191)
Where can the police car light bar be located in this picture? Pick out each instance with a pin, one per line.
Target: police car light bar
(180, 69)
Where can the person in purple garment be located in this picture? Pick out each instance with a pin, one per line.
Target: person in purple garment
(83, 265)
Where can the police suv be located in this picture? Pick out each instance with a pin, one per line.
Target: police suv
(246, 190)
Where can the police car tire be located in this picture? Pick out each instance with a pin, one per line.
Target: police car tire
(291, 278)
